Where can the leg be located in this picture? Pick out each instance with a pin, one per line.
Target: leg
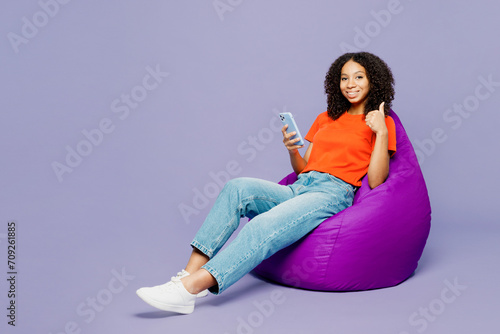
(198, 281)
(196, 261)
(278, 228)
(241, 197)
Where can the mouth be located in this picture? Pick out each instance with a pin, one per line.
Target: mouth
(352, 94)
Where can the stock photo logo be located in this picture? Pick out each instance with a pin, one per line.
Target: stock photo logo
(222, 7)
(455, 116)
(31, 25)
(94, 304)
(121, 106)
(373, 28)
(263, 310)
(247, 149)
(430, 313)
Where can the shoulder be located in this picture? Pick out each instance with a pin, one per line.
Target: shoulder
(323, 117)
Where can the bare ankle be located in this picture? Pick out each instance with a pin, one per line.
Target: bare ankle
(196, 261)
(189, 286)
(198, 281)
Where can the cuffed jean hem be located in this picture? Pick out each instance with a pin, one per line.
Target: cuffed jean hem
(215, 289)
(202, 249)
(219, 287)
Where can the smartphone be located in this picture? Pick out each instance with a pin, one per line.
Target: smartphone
(287, 118)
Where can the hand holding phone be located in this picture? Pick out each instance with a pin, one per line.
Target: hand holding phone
(287, 119)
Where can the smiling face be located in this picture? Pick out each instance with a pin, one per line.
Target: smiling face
(354, 85)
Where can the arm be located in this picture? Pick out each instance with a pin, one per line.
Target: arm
(298, 162)
(378, 170)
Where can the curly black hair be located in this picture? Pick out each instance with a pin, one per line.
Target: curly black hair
(379, 77)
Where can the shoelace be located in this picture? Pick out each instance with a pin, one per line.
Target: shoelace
(167, 286)
(170, 285)
(179, 275)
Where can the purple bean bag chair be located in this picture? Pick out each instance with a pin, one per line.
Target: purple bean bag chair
(375, 243)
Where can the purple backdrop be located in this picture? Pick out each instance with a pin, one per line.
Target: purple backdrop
(121, 120)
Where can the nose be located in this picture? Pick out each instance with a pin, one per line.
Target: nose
(351, 83)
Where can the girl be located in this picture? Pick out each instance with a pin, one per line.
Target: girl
(353, 137)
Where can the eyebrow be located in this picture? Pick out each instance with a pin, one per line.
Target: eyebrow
(354, 72)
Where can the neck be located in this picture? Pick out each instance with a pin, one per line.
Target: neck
(356, 109)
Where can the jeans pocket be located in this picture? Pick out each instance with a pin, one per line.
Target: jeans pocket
(349, 189)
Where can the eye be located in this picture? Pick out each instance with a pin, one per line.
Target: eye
(359, 77)
(343, 79)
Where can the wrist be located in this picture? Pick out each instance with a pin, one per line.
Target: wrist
(382, 133)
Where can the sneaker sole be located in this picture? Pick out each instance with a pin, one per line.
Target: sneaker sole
(188, 309)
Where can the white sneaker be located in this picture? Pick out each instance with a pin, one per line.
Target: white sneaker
(171, 296)
(184, 273)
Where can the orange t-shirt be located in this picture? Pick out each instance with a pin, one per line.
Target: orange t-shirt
(343, 147)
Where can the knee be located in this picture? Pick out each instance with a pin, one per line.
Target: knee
(231, 189)
(234, 185)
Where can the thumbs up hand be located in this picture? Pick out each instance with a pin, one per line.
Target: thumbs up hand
(375, 119)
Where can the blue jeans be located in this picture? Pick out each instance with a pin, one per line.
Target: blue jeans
(280, 215)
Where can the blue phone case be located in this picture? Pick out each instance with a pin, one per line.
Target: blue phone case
(287, 118)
